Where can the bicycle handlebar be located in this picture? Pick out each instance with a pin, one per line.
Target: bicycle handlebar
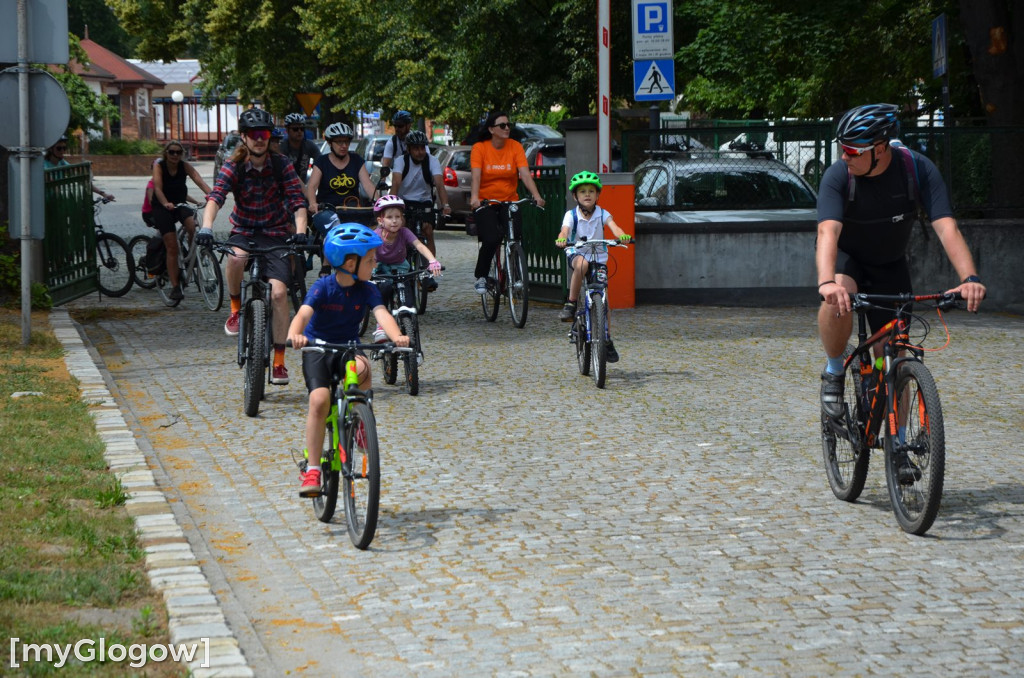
(424, 272)
(486, 202)
(331, 207)
(321, 346)
(592, 244)
(864, 301)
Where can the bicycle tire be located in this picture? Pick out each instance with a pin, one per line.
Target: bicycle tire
(255, 322)
(325, 505)
(491, 298)
(209, 279)
(361, 474)
(579, 335)
(518, 285)
(916, 505)
(114, 265)
(367, 312)
(598, 339)
(140, 276)
(420, 288)
(389, 360)
(297, 287)
(410, 328)
(846, 455)
(163, 287)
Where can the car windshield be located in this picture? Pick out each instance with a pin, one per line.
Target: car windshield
(460, 161)
(231, 141)
(721, 188)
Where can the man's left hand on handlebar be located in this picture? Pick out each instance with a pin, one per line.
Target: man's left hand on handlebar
(973, 292)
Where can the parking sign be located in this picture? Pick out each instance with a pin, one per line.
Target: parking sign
(652, 29)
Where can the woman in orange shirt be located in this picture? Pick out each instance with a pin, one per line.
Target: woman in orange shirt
(497, 163)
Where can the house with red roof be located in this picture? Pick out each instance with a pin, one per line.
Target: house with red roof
(127, 85)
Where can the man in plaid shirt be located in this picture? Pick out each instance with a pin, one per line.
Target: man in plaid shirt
(266, 191)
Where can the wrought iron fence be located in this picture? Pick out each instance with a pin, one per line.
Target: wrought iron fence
(545, 262)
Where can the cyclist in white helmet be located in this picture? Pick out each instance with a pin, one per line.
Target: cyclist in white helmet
(337, 175)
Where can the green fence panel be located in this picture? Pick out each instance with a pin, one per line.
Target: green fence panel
(69, 243)
(544, 261)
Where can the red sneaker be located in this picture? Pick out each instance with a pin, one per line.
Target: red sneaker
(231, 326)
(310, 484)
(279, 375)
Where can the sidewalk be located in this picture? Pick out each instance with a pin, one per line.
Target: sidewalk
(676, 523)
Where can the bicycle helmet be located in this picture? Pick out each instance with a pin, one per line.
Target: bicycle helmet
(345, 239)
(386, 201)
(337, 130)
(277, 133)
(401, 118)
(582, 178)
(416, 138)
(868, 124)
(255, 118)
(294, 119)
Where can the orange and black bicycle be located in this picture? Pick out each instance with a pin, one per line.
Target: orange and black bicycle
(891, 403)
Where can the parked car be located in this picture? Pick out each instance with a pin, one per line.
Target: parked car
(371, 148)
(457, 178)
(224, 151)
(547, 152)
(680, 190)
(532, 131)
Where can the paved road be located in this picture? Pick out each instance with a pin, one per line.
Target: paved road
(676, 523)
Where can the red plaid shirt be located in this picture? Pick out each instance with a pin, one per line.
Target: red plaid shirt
(260, 203)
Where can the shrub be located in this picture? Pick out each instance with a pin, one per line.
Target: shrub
(124, 147)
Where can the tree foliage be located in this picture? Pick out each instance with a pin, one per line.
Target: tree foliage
(88, 109)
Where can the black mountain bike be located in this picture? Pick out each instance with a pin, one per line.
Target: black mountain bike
(415, 217)
(399, 303)
(114, 262)
(508, 274)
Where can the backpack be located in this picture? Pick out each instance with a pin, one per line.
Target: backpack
(428, 178)
(155, 260)
(906, 157)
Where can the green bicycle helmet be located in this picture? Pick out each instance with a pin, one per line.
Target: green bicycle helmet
(582, 178)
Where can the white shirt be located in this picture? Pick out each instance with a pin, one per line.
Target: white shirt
(414, 186)
(591, 229)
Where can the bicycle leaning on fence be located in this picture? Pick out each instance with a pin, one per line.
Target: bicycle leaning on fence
(891, 402)
(508, 274)
(589, 333)
(114, 262)
(351, 452)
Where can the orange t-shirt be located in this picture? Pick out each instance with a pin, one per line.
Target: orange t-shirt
(499, 168)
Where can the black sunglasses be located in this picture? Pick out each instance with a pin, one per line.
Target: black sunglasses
(503, 125)
(178, 152)
(60, 148)
(294, 129)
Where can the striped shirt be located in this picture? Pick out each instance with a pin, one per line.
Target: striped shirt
(260, 204)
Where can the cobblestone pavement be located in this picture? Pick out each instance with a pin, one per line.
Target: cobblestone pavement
(676, 523)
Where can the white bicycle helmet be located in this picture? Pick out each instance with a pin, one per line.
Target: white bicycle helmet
(386, 201)
(337, 130)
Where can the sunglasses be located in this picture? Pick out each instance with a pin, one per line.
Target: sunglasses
(855, 151)
(177, 152)
(60, 148)
(503, 125)
(294, 129)
(258, 134)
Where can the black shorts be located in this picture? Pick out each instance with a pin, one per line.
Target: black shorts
(164, 219)
(892, 278)
(317, 368)
(275, 267)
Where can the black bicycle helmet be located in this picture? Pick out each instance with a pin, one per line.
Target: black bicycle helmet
(401, 118)
(294, 119)
(868, 124)
(255, 118)
(416, 138)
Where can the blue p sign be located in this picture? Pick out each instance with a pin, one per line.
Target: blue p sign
(651, 17)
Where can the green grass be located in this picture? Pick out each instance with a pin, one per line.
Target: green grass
(71, 561)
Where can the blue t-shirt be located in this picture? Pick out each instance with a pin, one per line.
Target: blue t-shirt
(337, 310)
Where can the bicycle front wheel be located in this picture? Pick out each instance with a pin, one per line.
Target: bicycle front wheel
(362, 475)
(410, 328)
(297, 289)
(490, 298)
(915, 470)
(420, 288)
(140, 275)
(209, 278)
(582, 344)
(114, 265)
(844, 443)
(255, 322)
(518, 285)
(325, 504)
(598, 339)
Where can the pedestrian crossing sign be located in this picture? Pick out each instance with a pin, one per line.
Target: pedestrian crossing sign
(654, 80)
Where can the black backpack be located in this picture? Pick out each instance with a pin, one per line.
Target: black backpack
(155, 260)
(428, 178)
(277, 163)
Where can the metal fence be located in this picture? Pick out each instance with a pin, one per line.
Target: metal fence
(544, 261)
(69, 243)
(983, 170)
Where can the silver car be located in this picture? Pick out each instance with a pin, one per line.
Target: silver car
(458, 178)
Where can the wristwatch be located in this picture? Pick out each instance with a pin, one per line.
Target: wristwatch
(971, 278)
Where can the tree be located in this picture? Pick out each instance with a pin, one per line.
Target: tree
(102, 24)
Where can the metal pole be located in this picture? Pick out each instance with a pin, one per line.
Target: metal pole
(24, 166)
(604, 142)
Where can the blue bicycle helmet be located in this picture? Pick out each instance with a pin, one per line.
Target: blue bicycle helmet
(345, 239)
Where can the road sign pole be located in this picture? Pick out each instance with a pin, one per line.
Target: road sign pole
(25, 159)
(604, 127)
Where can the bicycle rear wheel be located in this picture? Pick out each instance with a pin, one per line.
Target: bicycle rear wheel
(844, 444)
(140, 276)
(598, 338)
(915, 471)
(114, 265)
(579, 334)
(362, 475)
(209, 278)
(410, 328)
(518, 285)
(490, 299)
(327, 502)
(255, 328)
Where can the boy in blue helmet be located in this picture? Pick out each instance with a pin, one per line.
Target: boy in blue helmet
(332, 312)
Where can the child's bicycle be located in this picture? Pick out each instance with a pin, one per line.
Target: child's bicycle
(415, 217)
(401, 306)
(114, 261)
(589, 332)
(351, 450)
(508, 274)
(896, 390)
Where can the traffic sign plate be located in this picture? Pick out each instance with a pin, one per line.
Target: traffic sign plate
(654, 80)
(652, 29)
